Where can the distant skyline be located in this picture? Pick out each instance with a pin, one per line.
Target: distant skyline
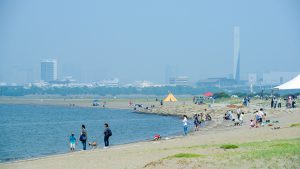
(143, 40)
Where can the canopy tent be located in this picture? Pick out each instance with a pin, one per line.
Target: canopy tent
(170, 98)
(292, 84)
(208, 94)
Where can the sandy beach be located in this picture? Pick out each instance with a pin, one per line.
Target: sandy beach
(200, 149)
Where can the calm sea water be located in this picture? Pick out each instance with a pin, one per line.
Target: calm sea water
(34, 130)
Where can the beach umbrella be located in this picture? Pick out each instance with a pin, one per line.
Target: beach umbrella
(208, 94)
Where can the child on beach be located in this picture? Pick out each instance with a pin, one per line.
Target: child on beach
(72, 142)
(252, 124)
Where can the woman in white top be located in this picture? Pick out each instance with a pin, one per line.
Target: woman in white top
(185, 126)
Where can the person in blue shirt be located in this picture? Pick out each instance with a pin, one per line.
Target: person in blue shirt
(72, 142)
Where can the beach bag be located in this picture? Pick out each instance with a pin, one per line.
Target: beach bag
(82, 137)
(109, 132)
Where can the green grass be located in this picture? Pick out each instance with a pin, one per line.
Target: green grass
(270, 149)
(186, 155)
(260, 154)
(229, 146)
(295, 125)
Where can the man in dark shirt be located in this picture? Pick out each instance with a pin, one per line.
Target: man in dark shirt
(107, 133)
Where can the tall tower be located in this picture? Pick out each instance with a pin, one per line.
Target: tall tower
(49, 70)
(236, 54)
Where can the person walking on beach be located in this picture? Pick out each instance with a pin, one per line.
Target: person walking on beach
(185, 126)
(83, 137)
(107, 133)
(72, 142)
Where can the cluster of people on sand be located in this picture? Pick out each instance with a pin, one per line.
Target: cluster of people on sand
(275, 103)
(229, 115)
(238, 120)
(199, 121)
(83, 137)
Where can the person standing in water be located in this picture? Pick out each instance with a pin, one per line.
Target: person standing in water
(185, 126)
(107, 133)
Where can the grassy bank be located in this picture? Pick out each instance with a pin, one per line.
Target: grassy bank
(267, 154)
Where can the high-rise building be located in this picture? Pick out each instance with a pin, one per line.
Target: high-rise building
(236, 54)
(49, 70)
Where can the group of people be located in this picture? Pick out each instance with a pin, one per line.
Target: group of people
(275, 103)
(199, 121)
(229, 115)
(83, 137)
(258, 120)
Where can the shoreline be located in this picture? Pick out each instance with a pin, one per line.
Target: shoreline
(42, 156)
(114, 146)
(155, 154)
(134, 149)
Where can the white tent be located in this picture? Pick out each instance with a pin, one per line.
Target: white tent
(292, 84)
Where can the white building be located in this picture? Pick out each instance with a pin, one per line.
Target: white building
(143, 84)
(109, 83)
(49, 70)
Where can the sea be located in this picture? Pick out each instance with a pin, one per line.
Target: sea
(32, 131)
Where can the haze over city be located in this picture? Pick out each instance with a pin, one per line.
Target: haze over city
(152, 84)
(138, 40)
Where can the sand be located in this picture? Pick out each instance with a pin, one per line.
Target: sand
(154, 154)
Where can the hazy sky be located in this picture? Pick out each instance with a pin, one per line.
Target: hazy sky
(136, 40)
